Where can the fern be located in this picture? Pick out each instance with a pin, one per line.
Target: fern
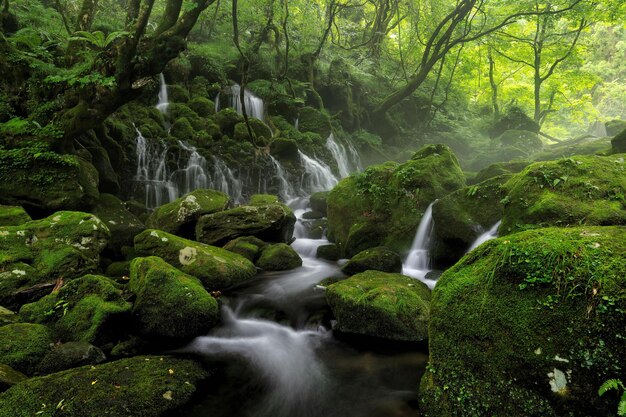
(97, 38)
(615, 384)
(621, 407)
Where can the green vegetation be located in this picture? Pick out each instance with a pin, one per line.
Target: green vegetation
(279, 257)
(377, 259)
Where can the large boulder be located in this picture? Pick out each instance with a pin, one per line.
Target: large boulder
(279, 257)
(7, 316)
(123, 224)
(313, 120)
(513, 119)
(383, 205)
(46, 181)
(63, 246)
(179, 217)
(618, 143)
(88, 309)
(567, 192)
(143, 386)
(462, 216)
(379, 304)
(170, 304)
(270, 223)
(217, 268)
(318, 202)
(13, 216)
(10, 377)
(500, 168)
(249, 247)
(24, 345)
(376, 259)
(71, 355)
(537, 317)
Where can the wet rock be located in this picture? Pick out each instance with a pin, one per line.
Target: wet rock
(377, 259)
(71, 355)
(279, 257)
(249, 247)
(328, 252)
(318, 202)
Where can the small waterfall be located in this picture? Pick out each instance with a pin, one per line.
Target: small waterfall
(217, 103)
(598, 129)
(223, 179)
(152, 172)
(193, 174)
(348, 161)
(254, 105)
(417, 263)
(285, 190)
(356, 158)
(296, 123)
(317, 175)
(163, 100)
(488, 235)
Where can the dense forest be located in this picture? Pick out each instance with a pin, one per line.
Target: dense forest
(312, 208)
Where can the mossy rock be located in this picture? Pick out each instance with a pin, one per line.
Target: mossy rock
(285, 149)
(262, 133)
(521, 139)
(23, 346)
(45, 181)
(312, 215)
(263, 199)
(202, 106)
(314, 229)
(279, 257)
(227, 119)
(122, 224)
(376, 259)
(383, 305)
(328, 252)
(143, 386)
(13, 216)
(500, 168)
(87, 309)
(571, 191)
(118, 269)
(177, 93)
(10, 377)
(383, 205)
(65, 245)
(536, 317)
(7, 316)
(180, 216)
(585, 145)
(71, 355)
(217, 268)
(614, 127)
(249, 247)
(313, 120)
(618, 143)
(270, 223)
(463, 215)
(318, 202)
(182, 130)
(170, 304)
(513, 119)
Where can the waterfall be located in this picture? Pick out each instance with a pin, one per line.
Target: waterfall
(417, 263)
(285, 190)
(492, 233)
(223, 179)
(254, 105)
(193, 172)
(296, 123)
(217, 103)
(317, 175)
(163, 100)
(356, 159)
(348, 160)
(598, 129)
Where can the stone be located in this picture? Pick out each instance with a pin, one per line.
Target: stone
(13, 216)
(377, 259)
(71, 355)
(279, 257)
(23, 346)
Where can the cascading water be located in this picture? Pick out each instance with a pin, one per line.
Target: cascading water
(152, 172)
(417, 263)
(317, 175)
(492, 233)
(254, 105)
(163, 99)
(223, 179)
(347, 161)
(285, 189)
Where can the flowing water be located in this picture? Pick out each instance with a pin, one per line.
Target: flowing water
(253, 104)
(163, 100)
(317, 175)
(492, 233)
(418, 263)
(348, 161)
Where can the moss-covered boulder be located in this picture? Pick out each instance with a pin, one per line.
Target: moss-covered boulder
(500, 168)
(249, 247)
(88, 309)
(227, 119)
(65, 245)
(179, 217)
(313, 120)
(462, 216)
(279, 257)
(537, 317)
(71, 355)
(318, 202)
(375, 259)
(614, 127)
(217, 268)
(10, 377)
(183, 130)
(24, 345)
(522, 139)
(13, 216)
(143, 386)
(379, 304)
(270, 223)
(7, 316)
(285, 149)
(122, 224)
(170, 304)
(567, 192)
(618, 143)
(262, 133)
(45, 181)
(383, 205)
(202, 106)
(263, 199)
(328, 252)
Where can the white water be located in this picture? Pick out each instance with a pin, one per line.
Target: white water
(417, 263)
(317, 175)
(254, 105)
(492, 233)
(285, 189)
(163, 100)
(348, 161)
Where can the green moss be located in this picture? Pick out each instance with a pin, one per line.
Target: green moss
(122, 224)
(284, 149)
(7, 316)
(226, 119)
(23, 346)
(383, 205)
(312, 120)
(579, 190)
(262, 133)
(182, 130)
(618, 143)
(378, 259)
(71, 355)
(328, 252)
(390, 306)
(202, 106)
(89, 309)
(279, 257)
(13, 216)
(318, 202)
(517, 309)
(118, 269)
(170, 303)
(263, 199)
(143, 386)
(10, 377)
(180, 216)
(247, 246)
(500, 168)
(177, 93)
(217, 268)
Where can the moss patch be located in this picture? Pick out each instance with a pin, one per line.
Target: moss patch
(13, 216)
(23, 346)
(279, 257)
(377, 259)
